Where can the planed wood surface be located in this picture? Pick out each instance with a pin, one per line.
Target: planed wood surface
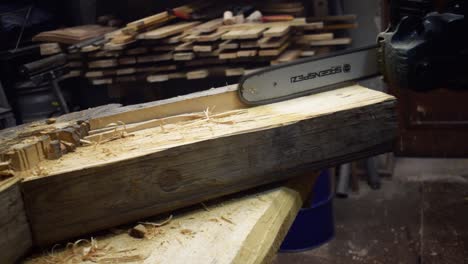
(170, 166)
(15, 238)
(246, 228)
(167, 31)
(72, 35)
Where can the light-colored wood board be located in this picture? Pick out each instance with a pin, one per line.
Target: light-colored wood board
(228, 44)
(277, 31)
(148, 21)
(210, 37)
(234, 71)
(167, 31)
(246, 53)
(273, 52)
(332, 42)
(154, 79)
(204, 48)
(287, 56)
(47, 49)
(15, 240)
(183, 56)
(228, 55)
(196, 102)
(297, 22)
(271, 42)
(197, 74)
(163, 168)
(253, 33)
(307, 38)
(208, 26)
(246, 228)
(187, 46)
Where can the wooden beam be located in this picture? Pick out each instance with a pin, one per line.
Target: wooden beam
(15, 240)
(171, 166)
(245, 228)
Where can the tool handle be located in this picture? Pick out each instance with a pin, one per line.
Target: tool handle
(43, 65)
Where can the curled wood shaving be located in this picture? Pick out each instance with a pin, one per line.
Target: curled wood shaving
(227, 220)
(165, 222)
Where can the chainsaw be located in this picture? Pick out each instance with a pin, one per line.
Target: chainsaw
(418, 54)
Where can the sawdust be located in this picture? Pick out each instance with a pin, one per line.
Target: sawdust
(227, 220)
(84, 250)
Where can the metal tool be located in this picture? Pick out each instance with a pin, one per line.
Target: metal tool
(417, 54)
(49, 69)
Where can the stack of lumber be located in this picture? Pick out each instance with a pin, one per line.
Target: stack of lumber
(162, 47)
(99, 168)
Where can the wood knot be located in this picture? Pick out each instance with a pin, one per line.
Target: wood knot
(169, 180)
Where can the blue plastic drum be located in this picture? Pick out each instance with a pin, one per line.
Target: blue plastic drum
(313, 226)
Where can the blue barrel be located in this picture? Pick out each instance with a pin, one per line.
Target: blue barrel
(315, 225)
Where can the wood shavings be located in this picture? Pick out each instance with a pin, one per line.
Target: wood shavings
(85, 250)
(205, 207)
(165, 222)
(186, 231)
(227, 220)
(86, 142)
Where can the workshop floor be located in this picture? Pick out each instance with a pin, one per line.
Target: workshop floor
(419, 216)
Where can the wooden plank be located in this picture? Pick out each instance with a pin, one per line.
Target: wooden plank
(245, 228)
(163, 168)
(103, 63)
(271, 42)
(277, 31)
(148, 21)
(249, 44)
(155, 58)
(183, 56)
(306, 39)
(208, 26)
(72, 35)
(228, 44)
(253, 33)
(332, 42)
(211, 37)
(228, 55)
(167, 31)
(273, 52)
(287, 56)
(15, 240)
(47, 49)
(246, 53)
(163, 78)
(187, 46)
(234, 72)
(204, 48)
(249, 33)
(340, 26)
(198, 74)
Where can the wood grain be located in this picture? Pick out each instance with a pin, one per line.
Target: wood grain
(15, 240)
(245, 228)
(164, 168)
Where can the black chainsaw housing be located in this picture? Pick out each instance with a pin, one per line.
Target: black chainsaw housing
(426, 53)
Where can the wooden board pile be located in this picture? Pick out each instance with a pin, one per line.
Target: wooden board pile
(162, 47)
(99, 168)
